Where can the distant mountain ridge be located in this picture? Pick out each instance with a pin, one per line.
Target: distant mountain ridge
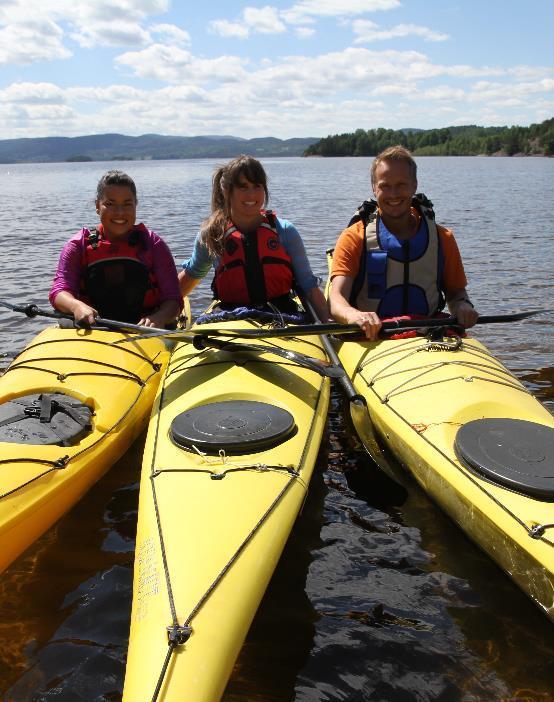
(112, 147)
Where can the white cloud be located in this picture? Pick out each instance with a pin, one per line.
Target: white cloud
(270, 20)
(171, 33)
(112, 94)
(444, 92)
(35, 30)
(264, 20)
(171, 64)
(486, 90)
(305, 10)
(32, 93)
(260, 20)
(111, 33)
(531, 72)
(367, 32)
(36, 40)
(304, 32)
(229, 29)
(299, 95)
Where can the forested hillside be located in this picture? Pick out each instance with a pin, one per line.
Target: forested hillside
(538, 139)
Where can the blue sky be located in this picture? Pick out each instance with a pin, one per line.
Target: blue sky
(283, 68)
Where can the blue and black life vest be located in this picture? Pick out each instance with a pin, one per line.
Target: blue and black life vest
(399, 276)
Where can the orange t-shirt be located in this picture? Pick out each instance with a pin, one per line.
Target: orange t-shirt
(349, 250)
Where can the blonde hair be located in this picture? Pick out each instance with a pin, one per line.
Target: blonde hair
(224, 180)
(394, 153)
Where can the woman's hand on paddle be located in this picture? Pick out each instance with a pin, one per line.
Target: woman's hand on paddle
(167, 312)
(149, 321)
(84, 314)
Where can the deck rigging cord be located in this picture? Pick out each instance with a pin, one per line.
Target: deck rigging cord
(537, 531)
(114, 371)
(179, 633)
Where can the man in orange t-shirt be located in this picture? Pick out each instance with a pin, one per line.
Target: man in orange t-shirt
(400, 262)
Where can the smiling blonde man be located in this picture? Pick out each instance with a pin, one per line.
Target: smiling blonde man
(394, 259)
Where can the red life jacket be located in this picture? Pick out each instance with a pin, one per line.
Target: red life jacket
(254, 269)
(118, 278)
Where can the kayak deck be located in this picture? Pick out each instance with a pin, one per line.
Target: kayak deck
(39, 483)
(213, 522)
(420, 392)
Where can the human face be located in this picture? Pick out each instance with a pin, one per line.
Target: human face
(117, 209)
(246, 201)
(394, 187)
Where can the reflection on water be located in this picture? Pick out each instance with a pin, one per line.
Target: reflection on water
(378, 595)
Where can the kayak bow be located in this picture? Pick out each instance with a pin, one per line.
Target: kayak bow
(473, 437)
(230, 451)
(70, 406)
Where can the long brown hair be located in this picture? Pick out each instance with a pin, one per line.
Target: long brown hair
(224, 180)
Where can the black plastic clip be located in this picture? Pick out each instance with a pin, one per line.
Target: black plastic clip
(537, 531)
(61, 462)
(178, 635)
(199, 342)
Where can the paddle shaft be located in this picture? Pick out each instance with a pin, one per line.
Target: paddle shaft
(358, 410)
(344, 380)
(344, 329)
(201, 341)
(34, 311)
(333, 328)
(198, 340)
(279, 332)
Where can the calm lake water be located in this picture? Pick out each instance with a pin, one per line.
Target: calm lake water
(378, 596)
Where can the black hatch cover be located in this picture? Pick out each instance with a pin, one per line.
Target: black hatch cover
(512, 452)
(237, 426)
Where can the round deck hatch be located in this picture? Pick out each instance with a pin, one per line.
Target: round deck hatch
(512, 452)
(237, 426)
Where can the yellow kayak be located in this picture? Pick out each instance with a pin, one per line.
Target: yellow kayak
(230, 451)
(472, 436)
(71, 404)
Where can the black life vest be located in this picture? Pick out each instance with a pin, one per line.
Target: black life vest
(118, 278)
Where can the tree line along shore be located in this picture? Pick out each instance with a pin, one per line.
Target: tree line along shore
(535, 140)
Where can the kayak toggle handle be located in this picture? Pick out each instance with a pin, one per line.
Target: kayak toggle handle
(178, 635)
(30, 310)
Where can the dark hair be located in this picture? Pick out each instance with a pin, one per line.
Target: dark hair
(224, 180)
(115, 178)
(394, 153)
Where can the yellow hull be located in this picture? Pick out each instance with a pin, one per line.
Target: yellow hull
(419, 393)
(39, 483)
(211, 528)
